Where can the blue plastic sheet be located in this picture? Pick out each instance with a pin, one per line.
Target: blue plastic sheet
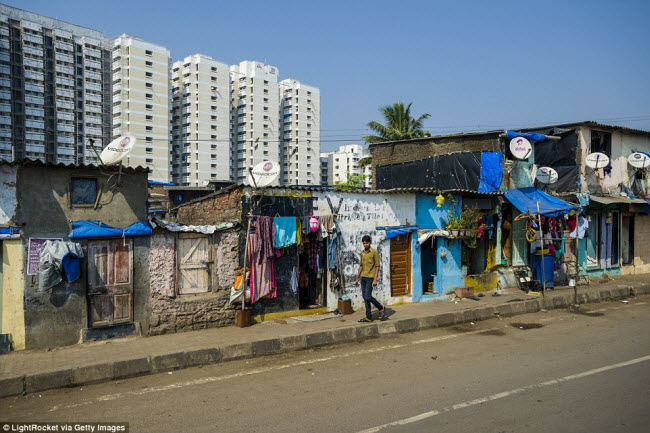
(86, 229)
(491, 172)
(527, 199)
(9, 230)
(534, 136)
(393, 232)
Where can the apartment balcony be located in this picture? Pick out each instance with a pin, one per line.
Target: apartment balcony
(116, 65)
(93, 52)
(63, 115)
(32, 51)
(117, 110)
(60, 68)
(287, 136)
(94, 86)
(38, 64)
(35, 39)
(93, 75)
(64, 127)
(5, 108)
(60, 45)
(61, 57)
(92, 97)
(64, 93)
(117, 132)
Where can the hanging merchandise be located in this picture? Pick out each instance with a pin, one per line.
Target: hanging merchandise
(304, 225)
(298, 232)
(285, 231)
(480, 228)
(327, 223)
(489, 226)
(314, 248)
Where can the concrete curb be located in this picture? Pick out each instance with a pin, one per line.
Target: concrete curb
(140, 366)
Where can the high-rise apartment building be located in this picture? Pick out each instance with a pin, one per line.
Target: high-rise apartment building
(300, 133)
(200, 121)
(55, 89)
(344, 162)
(255, 131)
(141, 102)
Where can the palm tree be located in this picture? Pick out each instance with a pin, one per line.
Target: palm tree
(399, 124)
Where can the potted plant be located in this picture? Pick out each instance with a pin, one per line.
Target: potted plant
(453, 224)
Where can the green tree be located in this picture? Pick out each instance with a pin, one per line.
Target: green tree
(354, 182)
(399, 124)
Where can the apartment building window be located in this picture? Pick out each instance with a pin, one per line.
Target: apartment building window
(149, 107)
(149, 149)
(148, 64)
(148, 96)
(213, 69)
(214, 127)
(213, 156)
(149, 139)
(213, 117)
(148, 53)
(601, 142)
(266, 82)
(214, 98)
(213, 137)
(149, 85)
(213, 108)
(213, 78)
(149, 128)
(150, 75)
(149, 118)
(266, 91)
(213, 147)
(266, 108)
(149, 161)
(266, 99)
(308, 93)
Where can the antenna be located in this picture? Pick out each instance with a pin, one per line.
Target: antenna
(117, 150)
(264, 174)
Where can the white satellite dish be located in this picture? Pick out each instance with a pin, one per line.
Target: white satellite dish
(117, 150)
(639, 160)
(520, 148)
(597, 160)
(264, 174)
(546, 175)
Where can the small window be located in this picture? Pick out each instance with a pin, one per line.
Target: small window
(149, 96)
(83, 191)
(149, 107)
(149, 139)
(149, 149)
(149, 64)
(149, 85)
(150, 75)
(601, 142)
(150, 118)
(149, 161)
(149, 128)
(148, 53)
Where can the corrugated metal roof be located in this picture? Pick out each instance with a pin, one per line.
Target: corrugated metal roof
(39, 163)
(413, 190)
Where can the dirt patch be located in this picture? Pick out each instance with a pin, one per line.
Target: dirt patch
(497, 332)
(584, 312)
(463, 328)
(526, 326)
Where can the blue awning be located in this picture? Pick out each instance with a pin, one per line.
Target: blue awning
(394, 231)
(491, 172)
(87, 229)
(527, 135)
(527, 199)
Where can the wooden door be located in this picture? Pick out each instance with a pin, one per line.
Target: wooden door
(193, 260)
(520, 245)
(110, 282)
(400, 265)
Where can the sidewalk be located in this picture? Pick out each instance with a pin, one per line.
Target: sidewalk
(38, 370)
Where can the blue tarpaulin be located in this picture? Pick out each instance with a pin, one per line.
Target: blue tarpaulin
(393, 232)
(491, 172)
(527, 135)
(86, 229)
(9, 230)
(526, 200)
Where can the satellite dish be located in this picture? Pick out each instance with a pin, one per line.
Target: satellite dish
(597, 160)
(546, 175)
(117, 150)
(520, 148)
(639, 160)
(264, 174)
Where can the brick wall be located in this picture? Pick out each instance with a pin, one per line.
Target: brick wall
(406, 151)
(214, 209)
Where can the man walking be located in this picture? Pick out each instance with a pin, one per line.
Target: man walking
(368, 271)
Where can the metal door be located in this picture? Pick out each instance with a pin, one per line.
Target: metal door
(192, 263)
(110, 282)
(400, 265)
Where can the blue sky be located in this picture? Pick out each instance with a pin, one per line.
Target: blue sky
(473, 65)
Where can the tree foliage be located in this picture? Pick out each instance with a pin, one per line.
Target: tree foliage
(354, 182)
(399, 124)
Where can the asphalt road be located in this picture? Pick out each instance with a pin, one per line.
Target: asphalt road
(557, 371)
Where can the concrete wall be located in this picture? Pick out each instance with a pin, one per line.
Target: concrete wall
(57, 317)
(13, 313)
(8, 199)
(641, 261)
(178, 313)
(359, 215)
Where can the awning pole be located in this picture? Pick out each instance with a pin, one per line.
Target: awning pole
(541, 231)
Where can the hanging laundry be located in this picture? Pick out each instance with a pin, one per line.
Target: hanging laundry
(480, 228)
(314, 248)
(265, 234)
(285, 231)
(304, 224)
(583, 225)
(294, 281)
(327, 223)
(262, 276)
(489, 225)
(298, 232)
(59, 259)
(333, 245)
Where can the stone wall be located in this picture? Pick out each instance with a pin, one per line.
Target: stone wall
(413, 150)
(217, 208)
(172, 313)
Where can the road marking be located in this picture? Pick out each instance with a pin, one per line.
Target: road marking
(504, 394)
(212, 379)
